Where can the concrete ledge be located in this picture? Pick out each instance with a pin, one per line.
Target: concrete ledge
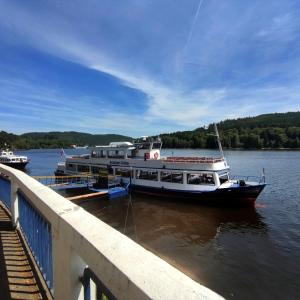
(128, 270)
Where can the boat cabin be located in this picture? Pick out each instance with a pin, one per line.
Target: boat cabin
(6, 153)
(143, 148)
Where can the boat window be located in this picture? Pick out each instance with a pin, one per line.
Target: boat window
(83, 168)
(131, 153)
(153, 175)
(111, 154)
(123, 172)
(156, 146)
(98, 153)
(165, 176)
(223, 177)
(143, 146)
(97, 170)
(200, 179)
(71, 167)
(115, 154)
(177, 177)
(146, 175)
(110, 170)
(174, 177)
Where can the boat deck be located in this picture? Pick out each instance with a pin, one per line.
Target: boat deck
(19, 277)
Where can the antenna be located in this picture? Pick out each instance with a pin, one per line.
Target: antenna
(218, 140)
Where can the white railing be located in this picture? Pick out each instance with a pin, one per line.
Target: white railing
(80, 240)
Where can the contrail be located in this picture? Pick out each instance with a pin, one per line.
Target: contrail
(194, 23)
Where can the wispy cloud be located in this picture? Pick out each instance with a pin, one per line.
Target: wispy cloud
(194, 22)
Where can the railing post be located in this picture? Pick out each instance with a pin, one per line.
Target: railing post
(14, 201)
(68, 267)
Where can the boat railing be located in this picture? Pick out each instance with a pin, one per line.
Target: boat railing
(93, 285)
(84, 156)
(179, 159)
(55, 181)
(5, 190)
(253, 178)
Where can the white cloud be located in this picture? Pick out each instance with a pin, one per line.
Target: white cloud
(170, 99)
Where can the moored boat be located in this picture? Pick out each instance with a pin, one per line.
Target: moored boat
(16, 161)
(205, 179)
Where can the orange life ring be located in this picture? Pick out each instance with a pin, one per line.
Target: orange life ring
(155, 155)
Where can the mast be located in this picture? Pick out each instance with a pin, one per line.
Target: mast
(218, 140)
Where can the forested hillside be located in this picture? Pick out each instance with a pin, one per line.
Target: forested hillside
(36, 140)
(269, 131)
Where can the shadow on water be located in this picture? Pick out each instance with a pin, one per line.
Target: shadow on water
(155, 218)
(178, 232)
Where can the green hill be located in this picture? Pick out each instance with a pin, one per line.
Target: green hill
(280, 120)
(268, 131)
(35, 140)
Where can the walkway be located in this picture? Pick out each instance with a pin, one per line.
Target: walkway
(18, 276)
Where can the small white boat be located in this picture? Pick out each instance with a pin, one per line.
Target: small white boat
(79, 147)
(16, 161)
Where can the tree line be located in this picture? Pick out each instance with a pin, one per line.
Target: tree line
(245, 138)
(52, 140)
(268, 131)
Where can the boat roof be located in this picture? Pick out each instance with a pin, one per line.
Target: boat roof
(115, 146)
(118, 144)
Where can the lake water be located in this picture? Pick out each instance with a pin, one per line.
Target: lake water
(241, 253)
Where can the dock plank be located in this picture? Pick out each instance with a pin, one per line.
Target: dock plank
(87, 196)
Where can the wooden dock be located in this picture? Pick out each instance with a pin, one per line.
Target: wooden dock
(19, 277)
(88, 196)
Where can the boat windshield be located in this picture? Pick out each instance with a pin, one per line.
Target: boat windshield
(156, 145)
(223, 177)
(142, 145)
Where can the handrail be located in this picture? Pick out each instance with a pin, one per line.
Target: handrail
(53, 180)
(79, 239)
(259, 179)
(5, 187)
(179, 159)
(37, 232)
(101, 289)
(62, 177)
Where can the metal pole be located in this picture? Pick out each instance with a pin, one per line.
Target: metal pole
(218, 140)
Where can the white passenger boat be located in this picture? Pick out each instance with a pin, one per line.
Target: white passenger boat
(8, 158)
(141, 164)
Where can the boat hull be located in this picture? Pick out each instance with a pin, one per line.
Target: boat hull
(237, 196)
(16, 165)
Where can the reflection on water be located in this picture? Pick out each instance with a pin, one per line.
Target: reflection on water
(175, 231)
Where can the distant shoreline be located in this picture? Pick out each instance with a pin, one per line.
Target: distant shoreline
(202, 149)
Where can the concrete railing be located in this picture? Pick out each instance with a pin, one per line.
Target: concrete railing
(79, 240)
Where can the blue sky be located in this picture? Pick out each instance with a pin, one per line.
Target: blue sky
(142, 67)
